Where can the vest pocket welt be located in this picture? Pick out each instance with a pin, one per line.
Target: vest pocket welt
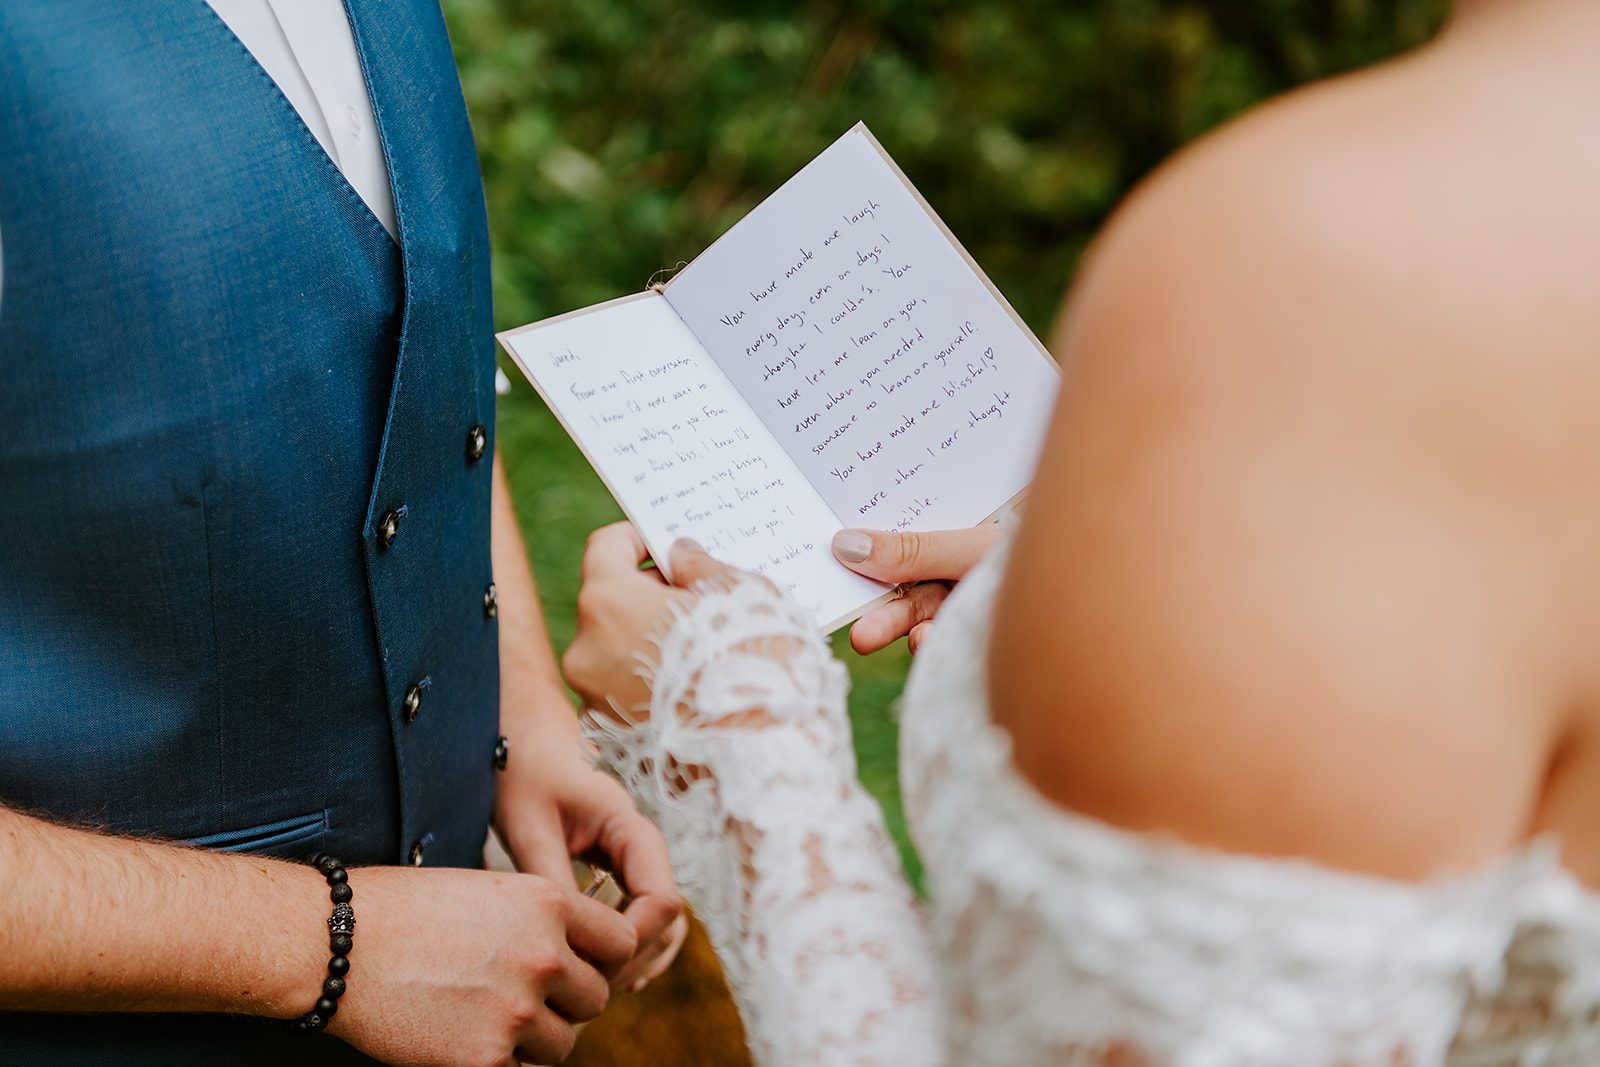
(284, 837)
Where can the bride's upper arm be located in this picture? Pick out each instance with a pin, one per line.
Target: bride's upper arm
(1258, 599)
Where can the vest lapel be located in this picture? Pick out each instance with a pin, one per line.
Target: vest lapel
(438, 650)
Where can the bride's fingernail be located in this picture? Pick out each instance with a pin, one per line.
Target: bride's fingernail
(852, 546)
(919, 636)
(689, 544)
(638, 986)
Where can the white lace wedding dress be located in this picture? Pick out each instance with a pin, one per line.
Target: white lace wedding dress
(1051, 938)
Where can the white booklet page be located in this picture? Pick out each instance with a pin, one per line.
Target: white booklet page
(834, 360)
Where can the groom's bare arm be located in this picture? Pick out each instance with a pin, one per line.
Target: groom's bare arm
(449, 966)
(93, 922)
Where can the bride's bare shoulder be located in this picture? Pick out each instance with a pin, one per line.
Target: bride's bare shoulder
(1399, 189)
(1309, 567)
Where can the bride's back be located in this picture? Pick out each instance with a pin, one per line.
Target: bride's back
(1312, 565)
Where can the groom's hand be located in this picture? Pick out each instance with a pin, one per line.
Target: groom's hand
(550, 802)
(623, 611)
(931, 562)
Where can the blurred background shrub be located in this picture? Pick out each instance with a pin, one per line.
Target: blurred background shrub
(620, 137)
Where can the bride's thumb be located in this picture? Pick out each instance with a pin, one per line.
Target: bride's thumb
(913, 556)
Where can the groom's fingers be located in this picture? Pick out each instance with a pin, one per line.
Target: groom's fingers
(613, 550)
(691, 564)
(886, 624)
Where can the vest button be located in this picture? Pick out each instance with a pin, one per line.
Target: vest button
(388, 528)
(491, 602)
(413, 703)
(415, 859)
(502, 749)
(477, 441)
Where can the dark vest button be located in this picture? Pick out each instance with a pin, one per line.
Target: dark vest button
(502, 749)
(477, 441)
(413, 703)
(415, 859)
(388, 527)
(491, 602)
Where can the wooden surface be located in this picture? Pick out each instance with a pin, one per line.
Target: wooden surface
(685, 1018)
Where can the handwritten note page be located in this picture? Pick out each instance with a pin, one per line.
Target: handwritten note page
(896, 380)
(680, 449)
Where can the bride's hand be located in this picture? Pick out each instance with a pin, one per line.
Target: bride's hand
(934, 560)
(622, 610)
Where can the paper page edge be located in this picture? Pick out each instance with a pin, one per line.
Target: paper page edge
(554, 409)
(851, 616)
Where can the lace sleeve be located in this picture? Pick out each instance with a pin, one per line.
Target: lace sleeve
(746, 765)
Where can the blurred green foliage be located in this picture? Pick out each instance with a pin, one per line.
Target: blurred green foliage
(619, 137)
(622, 136)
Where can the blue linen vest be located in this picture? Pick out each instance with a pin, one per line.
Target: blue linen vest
(217, 375)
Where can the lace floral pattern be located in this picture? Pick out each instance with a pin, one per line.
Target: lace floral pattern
(1067, 941)
(746, 764)
(1054, 939)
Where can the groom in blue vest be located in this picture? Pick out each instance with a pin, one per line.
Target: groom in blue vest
(261, 590)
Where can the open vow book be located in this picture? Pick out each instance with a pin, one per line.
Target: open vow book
(835, 360)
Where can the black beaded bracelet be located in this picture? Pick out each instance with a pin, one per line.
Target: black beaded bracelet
(341, 934)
